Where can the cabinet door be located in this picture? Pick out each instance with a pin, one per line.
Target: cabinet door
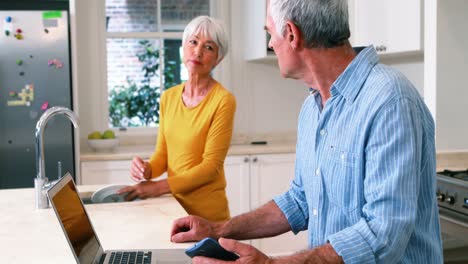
(392, 26)
(271, 175)
(106, 172)
(236, 170)
(255, 36)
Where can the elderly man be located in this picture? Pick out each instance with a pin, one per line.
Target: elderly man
(365, 165)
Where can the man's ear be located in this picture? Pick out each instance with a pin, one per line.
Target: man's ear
(293, 35)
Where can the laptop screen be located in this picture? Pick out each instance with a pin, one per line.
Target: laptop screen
(74, 220)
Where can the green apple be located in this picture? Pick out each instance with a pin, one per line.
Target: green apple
(94, 135)
(108, 134)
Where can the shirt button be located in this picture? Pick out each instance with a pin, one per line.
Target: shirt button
(315, 212)
(317, 172)
(322, 132)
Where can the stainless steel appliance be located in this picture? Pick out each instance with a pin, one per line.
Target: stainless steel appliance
(35, 74)
(452, 197)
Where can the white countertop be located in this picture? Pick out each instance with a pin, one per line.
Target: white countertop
(127, 152)
(28, 235)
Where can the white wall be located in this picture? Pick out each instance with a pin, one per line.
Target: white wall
(89, 60)
(412, 66)
(266, 103)
(452, 75)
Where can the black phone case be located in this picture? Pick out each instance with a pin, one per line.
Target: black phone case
(209, 247)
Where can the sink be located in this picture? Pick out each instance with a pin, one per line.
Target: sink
(86, 197)
(87, 200)
(107, 194)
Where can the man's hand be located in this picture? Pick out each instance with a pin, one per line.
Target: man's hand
(145, 190)
(192, 228)
(140, 170)
(247, 254)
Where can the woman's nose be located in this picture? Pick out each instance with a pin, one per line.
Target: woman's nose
(198, 51)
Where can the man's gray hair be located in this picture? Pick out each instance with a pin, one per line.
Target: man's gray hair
(324, 23)
(211, 28)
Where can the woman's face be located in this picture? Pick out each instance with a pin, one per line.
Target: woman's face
(200, 54)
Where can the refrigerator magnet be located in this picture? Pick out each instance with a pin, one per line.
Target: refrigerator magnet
(45, 106)
(8, 26)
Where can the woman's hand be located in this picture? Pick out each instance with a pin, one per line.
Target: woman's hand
(247, 254)
(140, 170)
(145, 190)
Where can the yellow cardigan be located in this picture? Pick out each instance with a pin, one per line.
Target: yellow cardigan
(192, 145)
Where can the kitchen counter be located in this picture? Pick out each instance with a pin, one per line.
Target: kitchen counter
(127, 152)
(28, 235)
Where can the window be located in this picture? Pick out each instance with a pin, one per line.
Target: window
(144, 53)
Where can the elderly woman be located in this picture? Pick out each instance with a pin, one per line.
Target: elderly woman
(195, 129)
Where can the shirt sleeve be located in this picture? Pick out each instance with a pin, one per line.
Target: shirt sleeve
(158, 160)
(393, 168)
(217, 145)
(294, 207)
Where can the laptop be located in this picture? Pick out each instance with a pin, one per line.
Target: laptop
(84, 242)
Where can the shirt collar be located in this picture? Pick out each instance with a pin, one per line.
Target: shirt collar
(349, 83)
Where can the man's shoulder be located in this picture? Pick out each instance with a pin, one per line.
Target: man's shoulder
(388, 83)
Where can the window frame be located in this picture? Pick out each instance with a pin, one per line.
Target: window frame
(218, 8)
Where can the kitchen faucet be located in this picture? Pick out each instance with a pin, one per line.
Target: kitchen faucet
(40, 182)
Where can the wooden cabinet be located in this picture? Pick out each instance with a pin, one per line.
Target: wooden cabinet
(237, 172)
(392, 26)
(253, 180)
(255, 36)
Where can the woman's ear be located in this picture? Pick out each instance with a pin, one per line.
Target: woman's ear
(293, 35)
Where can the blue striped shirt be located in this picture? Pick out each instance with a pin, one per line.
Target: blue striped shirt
(365, 169)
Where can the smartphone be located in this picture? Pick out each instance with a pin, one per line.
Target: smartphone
(208, 247)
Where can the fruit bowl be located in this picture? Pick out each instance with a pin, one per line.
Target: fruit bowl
(103, 145)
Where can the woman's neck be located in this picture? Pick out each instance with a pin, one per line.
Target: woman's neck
(198, 86)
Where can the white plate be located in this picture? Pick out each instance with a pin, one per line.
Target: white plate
(109, 194)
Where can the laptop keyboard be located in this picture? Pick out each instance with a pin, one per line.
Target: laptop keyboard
(123, 257)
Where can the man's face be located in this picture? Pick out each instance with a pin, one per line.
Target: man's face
(280, 46)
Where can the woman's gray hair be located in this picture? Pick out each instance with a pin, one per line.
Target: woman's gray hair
(211, 28)
(324, 23)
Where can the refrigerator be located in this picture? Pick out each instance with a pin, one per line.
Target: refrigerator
(35, 74)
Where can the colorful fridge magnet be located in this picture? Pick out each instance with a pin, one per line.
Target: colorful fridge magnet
(19, 62)
(45, 106)
(26, 96)
(55, 62)
(19, 34)
(8, 26)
